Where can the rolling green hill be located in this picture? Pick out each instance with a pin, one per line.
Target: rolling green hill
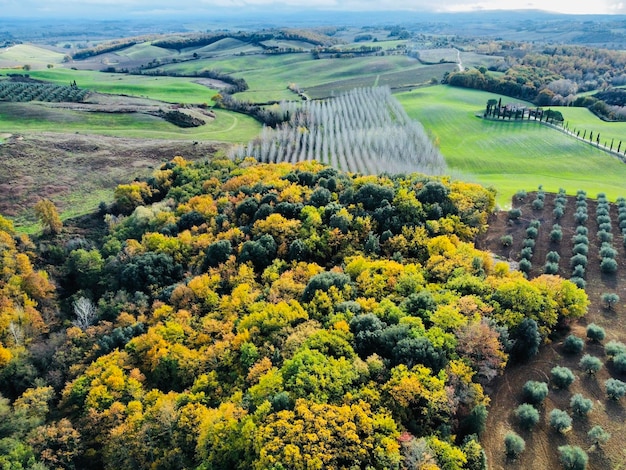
(509, 155)
(168, 89)
(21, 117)
(27, 54)
(583, 119)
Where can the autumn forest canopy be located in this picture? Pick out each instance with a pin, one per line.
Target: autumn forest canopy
(260, 249)
(265, 316)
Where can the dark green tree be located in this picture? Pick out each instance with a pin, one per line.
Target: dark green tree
(261, 252)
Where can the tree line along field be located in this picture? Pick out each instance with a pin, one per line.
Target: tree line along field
(510, 156)
(591, 235)
(365, 131)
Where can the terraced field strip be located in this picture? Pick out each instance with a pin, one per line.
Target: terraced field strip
(29, 117)
(168, 89)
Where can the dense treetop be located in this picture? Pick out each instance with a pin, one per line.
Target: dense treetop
(261, 316)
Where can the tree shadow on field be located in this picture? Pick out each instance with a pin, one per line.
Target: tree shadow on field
(591, 386)
(609, 280)
(600, 459)
(615, 411)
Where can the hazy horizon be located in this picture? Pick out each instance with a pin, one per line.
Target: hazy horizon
(136, 9)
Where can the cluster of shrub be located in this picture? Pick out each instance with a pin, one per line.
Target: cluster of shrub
(540, 199)
(607, 104)
(528, 245)
(580, 241)
(560, 202)
(608, 264)
(621, 216)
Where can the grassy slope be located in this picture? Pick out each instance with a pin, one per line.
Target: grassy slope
(145, 51)
(20, 118)
(168, 89)
(583, 119)
(510, 156)
(306, 46)
(22, 54)
(225, 46)
(269, 76)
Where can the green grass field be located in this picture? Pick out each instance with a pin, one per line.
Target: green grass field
(268, 76)
(305, 46)
(145, 51)
(508, 155)
(25, 117)
(226, 46)
(583, 119)
(26, 54)
(168, 89)
(435, 55)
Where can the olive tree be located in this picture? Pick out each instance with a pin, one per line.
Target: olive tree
(560, 420)
(590, 364)
(514, 445)
(527, 415)
(580, 405)
(573, 457)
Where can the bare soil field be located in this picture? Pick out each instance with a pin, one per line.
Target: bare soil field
(542, 442)
(76, 171)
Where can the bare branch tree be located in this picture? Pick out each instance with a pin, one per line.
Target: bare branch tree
(86, 313)
(17, 333)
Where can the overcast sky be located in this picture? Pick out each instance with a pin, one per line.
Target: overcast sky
(105, 8)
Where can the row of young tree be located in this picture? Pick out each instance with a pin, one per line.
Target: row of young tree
(534, 393)
(23, 91)
(364, 130)
(580, 239)
(240, 315)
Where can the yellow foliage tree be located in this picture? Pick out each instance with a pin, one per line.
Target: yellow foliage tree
(129, 196)
(48, 216)
(334, 437)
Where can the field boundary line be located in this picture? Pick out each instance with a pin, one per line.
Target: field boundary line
(620, 156)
